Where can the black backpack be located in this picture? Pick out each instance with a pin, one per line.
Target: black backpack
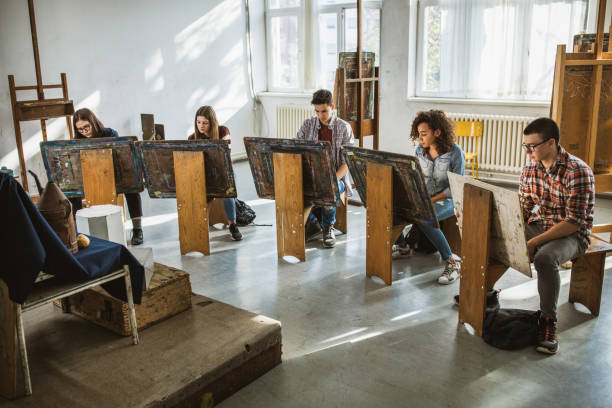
(244, 213)
(510, 329)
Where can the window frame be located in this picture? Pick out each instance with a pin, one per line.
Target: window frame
(339, 9)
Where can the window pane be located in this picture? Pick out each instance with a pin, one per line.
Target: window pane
(283, 31)
(370, 31)
(328, 44)
(431, 48)
(283, 3)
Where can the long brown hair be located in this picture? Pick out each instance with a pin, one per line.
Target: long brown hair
(85, 114)
(213, 129)
(437, 120)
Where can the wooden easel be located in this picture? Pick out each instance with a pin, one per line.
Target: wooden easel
(381, 233)
(478, 272)
(191, 202)
(98, 177)
(361, 127)
(576, 109)
(40, 108)
(291, 215)
(8, 358)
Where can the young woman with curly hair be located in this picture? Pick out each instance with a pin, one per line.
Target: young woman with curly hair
(437, 153)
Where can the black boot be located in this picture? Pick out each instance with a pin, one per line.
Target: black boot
(137, 237)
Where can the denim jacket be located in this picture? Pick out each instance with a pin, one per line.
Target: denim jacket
(435, 170)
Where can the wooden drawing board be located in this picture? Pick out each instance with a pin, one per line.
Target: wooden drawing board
(411, 202)
(318, 174)
(508, 245)
(62, 160)
(157, 159)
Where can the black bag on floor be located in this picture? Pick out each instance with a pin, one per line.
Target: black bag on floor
(244, 213)
(510, 329)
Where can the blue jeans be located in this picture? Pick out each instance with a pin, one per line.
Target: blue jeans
(444, 209)
(328, 214)
(229, 206)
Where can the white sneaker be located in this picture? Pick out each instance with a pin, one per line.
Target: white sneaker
(451, 273)
(401, 252)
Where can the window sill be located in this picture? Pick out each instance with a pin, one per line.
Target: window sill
(497, 102)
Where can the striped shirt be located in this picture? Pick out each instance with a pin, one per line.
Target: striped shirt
(564, 192)
(342, 134)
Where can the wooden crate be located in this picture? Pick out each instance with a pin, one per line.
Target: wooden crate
(169, 293)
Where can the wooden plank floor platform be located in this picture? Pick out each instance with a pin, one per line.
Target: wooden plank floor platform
(196, 358)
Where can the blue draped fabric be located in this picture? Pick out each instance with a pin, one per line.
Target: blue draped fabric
(29, 245)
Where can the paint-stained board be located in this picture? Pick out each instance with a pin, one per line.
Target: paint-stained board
(62, 160)
(158, 166)
(411, 202)
(318, 173)
(508, 244)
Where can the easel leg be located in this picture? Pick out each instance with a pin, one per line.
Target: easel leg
(191, 202)
(8, 344)
(23, 351)
(342, 215)
(290, 211)
(475, 256)
(379, 221)
(98, 177)
(587, 280)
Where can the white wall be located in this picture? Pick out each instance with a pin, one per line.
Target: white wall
(397, 111)
(127, 58)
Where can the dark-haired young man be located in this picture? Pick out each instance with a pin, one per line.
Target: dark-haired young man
(557, 197)
(326, 127)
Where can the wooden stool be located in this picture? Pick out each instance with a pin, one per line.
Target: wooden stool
(587, 275)
(216, 213)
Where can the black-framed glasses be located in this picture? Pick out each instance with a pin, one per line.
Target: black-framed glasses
(529, 148)
(85, 128)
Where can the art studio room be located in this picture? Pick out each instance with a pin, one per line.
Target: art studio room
(306, 203)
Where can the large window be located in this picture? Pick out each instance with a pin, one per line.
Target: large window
(304, 39)
(493, 49)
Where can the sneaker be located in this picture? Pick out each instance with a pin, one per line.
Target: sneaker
(398, 251)
(547, 336)
(329, 238)
(450, 274)
(137, 236)
(236, 235)
(312, 229)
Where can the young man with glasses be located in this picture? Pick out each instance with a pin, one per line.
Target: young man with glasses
(557, 195)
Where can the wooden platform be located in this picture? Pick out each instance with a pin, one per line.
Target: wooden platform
(194, 359)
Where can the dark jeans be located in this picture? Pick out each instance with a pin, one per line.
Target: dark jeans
(547, 259)
(134, 204)
(328, 214)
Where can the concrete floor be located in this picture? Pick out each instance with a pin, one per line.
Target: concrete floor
(353, 341)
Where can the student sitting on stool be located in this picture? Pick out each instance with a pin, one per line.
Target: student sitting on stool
(326, 127)
(207, 127)
(87, 125)
(557, 197)
(438, 154)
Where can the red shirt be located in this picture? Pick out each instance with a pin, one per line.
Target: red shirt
(325, 134)
(564, 192)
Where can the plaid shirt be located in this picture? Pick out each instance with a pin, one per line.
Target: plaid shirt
(342, 134)
(564, 192)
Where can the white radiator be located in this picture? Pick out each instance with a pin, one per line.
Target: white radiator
(500, 149)
(289, 118)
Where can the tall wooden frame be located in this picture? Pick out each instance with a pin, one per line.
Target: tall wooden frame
(582, 105)
(40, 108)
(361, 127)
